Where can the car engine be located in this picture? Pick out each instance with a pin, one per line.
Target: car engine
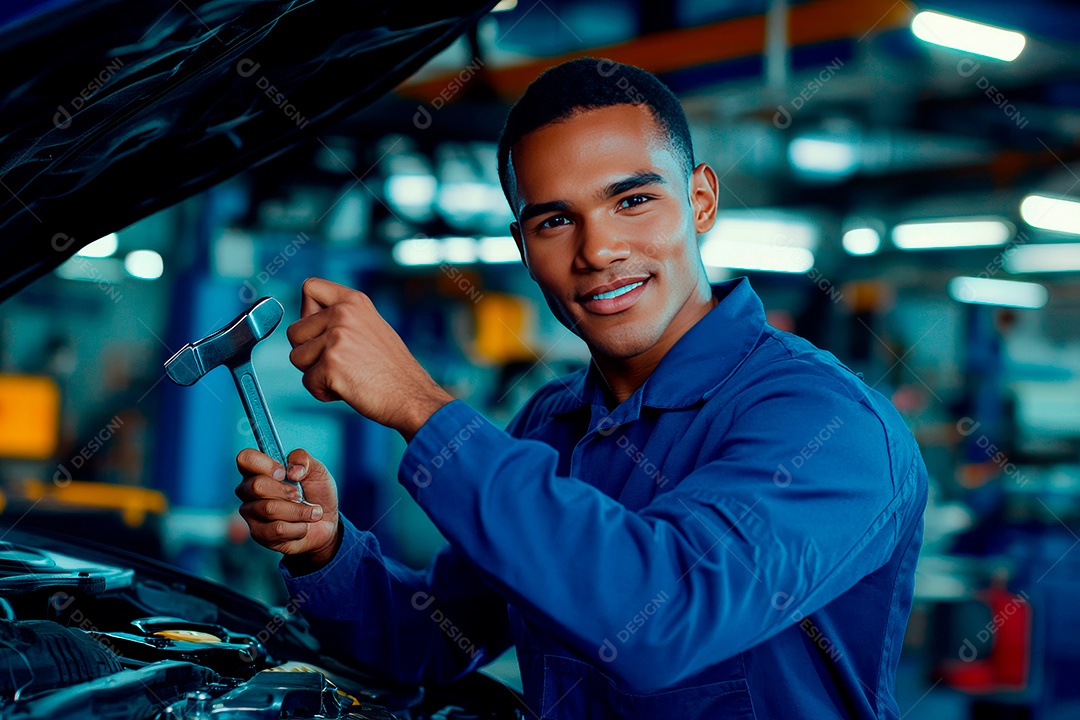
(98, 633)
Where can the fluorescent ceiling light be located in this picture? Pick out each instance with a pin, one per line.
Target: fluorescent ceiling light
(411, 191)
(761, 239)
(100, 248)
(756, 256)
(763, 227)
(417, 251)
(1004, 293)
(470, 198)
(1055, 257)
(968, 36)
(828, 157)
(933, 234)
(1051, 213)
(458, 249)
(144, 264)
(861, 241)
(498, 250)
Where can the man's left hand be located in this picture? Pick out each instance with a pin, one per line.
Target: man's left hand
(348, 352)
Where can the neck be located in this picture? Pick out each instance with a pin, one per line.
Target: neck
(625, 375)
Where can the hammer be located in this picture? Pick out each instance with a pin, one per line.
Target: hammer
(231, 346)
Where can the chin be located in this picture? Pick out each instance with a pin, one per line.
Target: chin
(623, 342)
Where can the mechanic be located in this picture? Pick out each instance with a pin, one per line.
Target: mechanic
(715, 519)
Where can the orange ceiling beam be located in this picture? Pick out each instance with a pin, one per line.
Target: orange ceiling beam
(809, 23)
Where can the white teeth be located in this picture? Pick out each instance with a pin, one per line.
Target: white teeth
(618, 291)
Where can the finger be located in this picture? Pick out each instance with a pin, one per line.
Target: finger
(277, 531)
(250, 461)
(263, 510)
(315, 381)
(302, 465)
(324, 293)
(304, 356)
(308, 328)
(309, 306)
(262, 487)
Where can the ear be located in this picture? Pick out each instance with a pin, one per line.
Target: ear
(704, 197)
(515, 231)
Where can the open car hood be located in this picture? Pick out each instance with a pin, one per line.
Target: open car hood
(114, 109)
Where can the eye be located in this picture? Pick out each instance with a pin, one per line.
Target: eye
(633, 201)
(553, 221)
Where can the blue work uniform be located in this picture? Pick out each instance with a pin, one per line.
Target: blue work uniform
(737, 539)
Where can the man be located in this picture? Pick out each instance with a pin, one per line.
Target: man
(715, 520)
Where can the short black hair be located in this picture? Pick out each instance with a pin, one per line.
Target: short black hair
(587, 84)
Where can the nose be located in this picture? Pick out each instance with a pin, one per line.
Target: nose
(599, 246)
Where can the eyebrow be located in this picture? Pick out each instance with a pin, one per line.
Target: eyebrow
(531, 210)
(631, 182)
(638, 179)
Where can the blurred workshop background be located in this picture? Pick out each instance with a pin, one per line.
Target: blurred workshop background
(900, 182)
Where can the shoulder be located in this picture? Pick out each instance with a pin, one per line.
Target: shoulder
(793, 383)
(784, 360)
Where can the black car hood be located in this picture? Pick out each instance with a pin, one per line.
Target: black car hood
(113, 109)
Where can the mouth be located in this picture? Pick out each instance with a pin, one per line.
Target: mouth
(614, 297)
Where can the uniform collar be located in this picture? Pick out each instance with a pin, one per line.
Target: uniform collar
(695, 366)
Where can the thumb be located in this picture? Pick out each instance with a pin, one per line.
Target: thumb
(318, 484)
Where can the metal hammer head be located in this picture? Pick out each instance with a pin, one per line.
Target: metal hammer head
(229, 346)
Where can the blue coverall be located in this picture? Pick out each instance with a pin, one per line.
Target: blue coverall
(737, 539)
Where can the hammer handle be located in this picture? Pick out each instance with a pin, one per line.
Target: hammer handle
(259, 416)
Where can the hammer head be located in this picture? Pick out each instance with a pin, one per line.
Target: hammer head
(229, 346)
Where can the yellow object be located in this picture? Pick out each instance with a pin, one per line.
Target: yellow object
(194, 636)
(504, 328)
(29, 416)
(132, 502)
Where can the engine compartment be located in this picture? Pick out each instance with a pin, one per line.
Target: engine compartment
(94, 633)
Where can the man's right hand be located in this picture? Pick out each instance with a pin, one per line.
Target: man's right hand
(308, 534)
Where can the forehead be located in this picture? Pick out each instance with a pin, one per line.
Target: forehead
(588, 151)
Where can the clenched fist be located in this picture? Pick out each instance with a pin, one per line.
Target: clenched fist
(348, 352)
(308, 533)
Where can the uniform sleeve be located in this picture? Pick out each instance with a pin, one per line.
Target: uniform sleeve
(797, 503)
(431, 625)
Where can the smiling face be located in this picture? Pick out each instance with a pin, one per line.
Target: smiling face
(607, 226)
